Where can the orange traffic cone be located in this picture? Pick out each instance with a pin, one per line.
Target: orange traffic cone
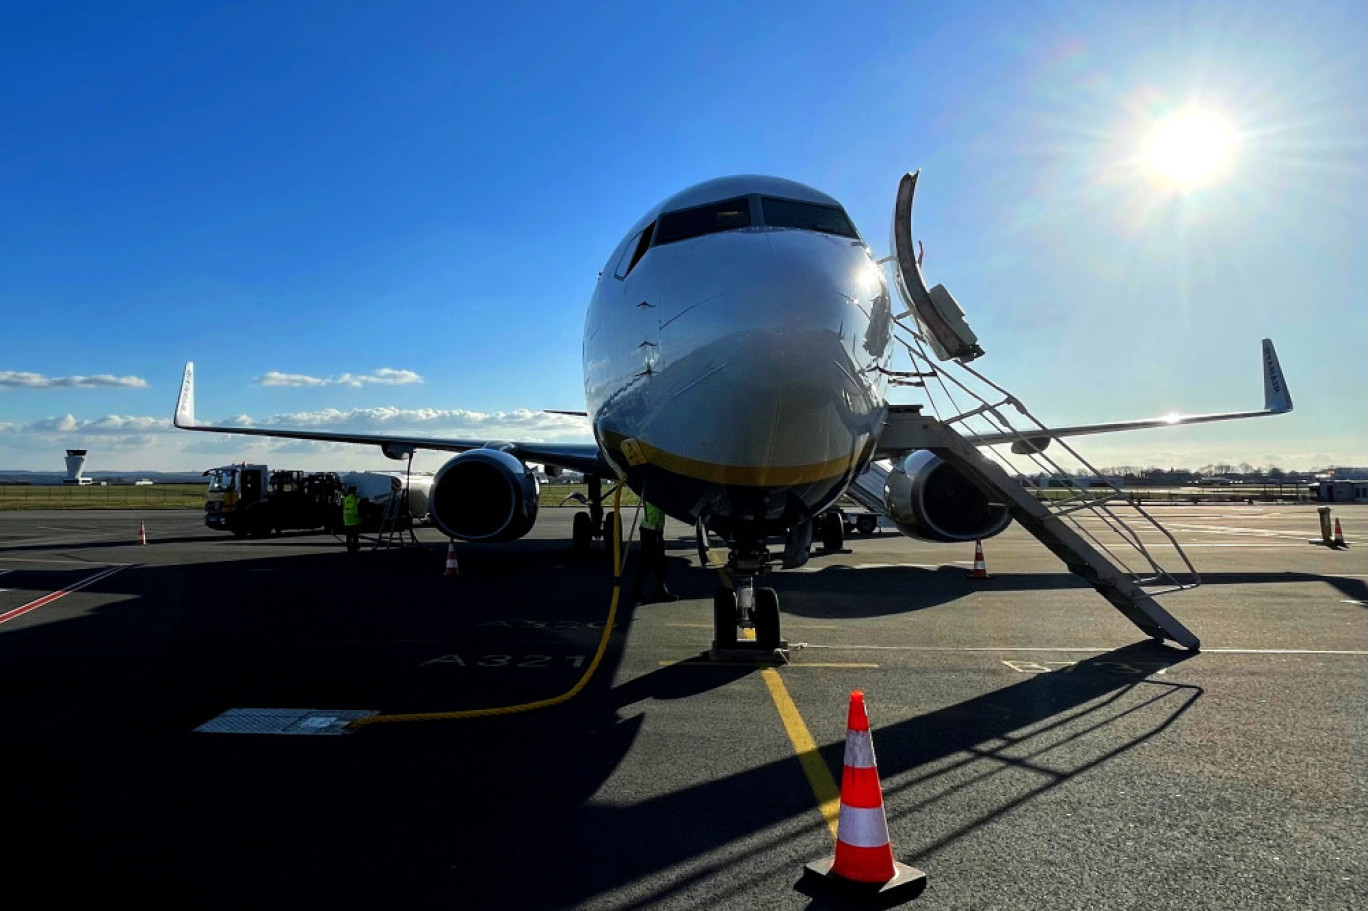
(980, 567)
(142, 532)
(451, 568)
(1339, 536)
(863, 861)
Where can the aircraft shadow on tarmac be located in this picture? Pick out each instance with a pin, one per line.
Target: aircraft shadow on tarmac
(885, 591)
(498, 812)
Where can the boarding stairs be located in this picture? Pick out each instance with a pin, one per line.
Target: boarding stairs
(1092, 528)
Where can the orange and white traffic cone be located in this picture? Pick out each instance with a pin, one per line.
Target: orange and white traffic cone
(451, 568)
(142, 532)
(1339, 536)
(863, 861)
(980, 567)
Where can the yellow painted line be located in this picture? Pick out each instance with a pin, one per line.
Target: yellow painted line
(818, 775)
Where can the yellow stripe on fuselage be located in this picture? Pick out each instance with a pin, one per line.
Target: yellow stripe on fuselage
(742, 475)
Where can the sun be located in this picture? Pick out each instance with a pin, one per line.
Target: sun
(1191, 148)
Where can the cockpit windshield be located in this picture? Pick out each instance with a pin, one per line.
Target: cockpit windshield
(709, 219)
(222, 479)
(788, 213)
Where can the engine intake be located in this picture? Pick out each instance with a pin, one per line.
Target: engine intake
(484, 495)
(928, 499)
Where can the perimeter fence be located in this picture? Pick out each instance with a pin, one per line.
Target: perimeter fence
(121, 496)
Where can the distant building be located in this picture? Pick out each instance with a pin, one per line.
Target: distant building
(1081, 483)
(1346, 491)
(1343, 473)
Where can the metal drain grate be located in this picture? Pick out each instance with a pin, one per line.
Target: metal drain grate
(284, 721)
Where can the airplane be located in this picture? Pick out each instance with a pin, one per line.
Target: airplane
(736, 357)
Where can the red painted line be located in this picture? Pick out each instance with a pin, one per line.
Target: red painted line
(62, 593)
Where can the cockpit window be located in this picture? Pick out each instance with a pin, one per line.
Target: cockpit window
(786, 213)
(709, 219)
(635, 249)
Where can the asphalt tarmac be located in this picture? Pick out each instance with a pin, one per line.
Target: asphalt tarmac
(1035, 750)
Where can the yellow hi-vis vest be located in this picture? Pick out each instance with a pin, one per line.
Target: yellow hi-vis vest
(351, 510)
(654, 518)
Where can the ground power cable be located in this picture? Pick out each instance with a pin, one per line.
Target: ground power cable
(618, 565)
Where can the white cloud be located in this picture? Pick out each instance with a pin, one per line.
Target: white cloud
(10, 379)
(438, 422)
(110, 425)
(130, 443)
(385, 376)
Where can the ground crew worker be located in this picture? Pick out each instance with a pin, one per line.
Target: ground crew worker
(652, 556)
(351, 518)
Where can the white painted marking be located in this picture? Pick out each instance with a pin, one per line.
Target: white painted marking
(821, 569)
(60, 593)
(1345, 601)
(64, 562)
(1065, 649)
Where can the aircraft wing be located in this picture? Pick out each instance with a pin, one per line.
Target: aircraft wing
(1277, 400)
(583, 457)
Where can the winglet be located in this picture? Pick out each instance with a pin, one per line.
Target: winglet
(185, 403)
(1277, 398)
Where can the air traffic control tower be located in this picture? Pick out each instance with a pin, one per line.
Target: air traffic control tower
(75, 461)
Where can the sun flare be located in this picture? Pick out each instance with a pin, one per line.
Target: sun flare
(1191, 148)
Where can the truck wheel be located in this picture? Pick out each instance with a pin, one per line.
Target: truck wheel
(866, 524)
(258, 522)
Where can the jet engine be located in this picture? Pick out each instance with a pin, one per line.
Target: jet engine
(928, 499)
(484, 495)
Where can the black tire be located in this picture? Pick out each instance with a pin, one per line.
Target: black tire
(582, 532)
(258, 521)
(609, 517)
(833, 533)
(724, 618)
(866, 524)
(767, 618)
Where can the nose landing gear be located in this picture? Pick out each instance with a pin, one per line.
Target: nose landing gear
(746, 615)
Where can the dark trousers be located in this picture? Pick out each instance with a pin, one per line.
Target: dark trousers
(353, 538)
(652, 562)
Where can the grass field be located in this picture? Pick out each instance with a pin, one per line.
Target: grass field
(124, 496)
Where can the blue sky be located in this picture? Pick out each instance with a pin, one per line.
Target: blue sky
(392, 215)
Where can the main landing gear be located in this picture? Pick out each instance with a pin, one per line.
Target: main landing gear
(597, 522)
(746, 615)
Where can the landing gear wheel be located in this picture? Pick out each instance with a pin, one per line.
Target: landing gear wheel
(866, 524)
(724, 618)
(582, 532)
(609, 518)
(833, 532)
(767, 617)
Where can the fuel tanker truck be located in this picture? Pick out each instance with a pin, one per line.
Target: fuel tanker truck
(252, 500)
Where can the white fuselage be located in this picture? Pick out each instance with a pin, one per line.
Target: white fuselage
(737, 375)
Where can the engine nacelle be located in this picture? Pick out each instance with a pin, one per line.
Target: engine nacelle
(928, 499)
(484, 495)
